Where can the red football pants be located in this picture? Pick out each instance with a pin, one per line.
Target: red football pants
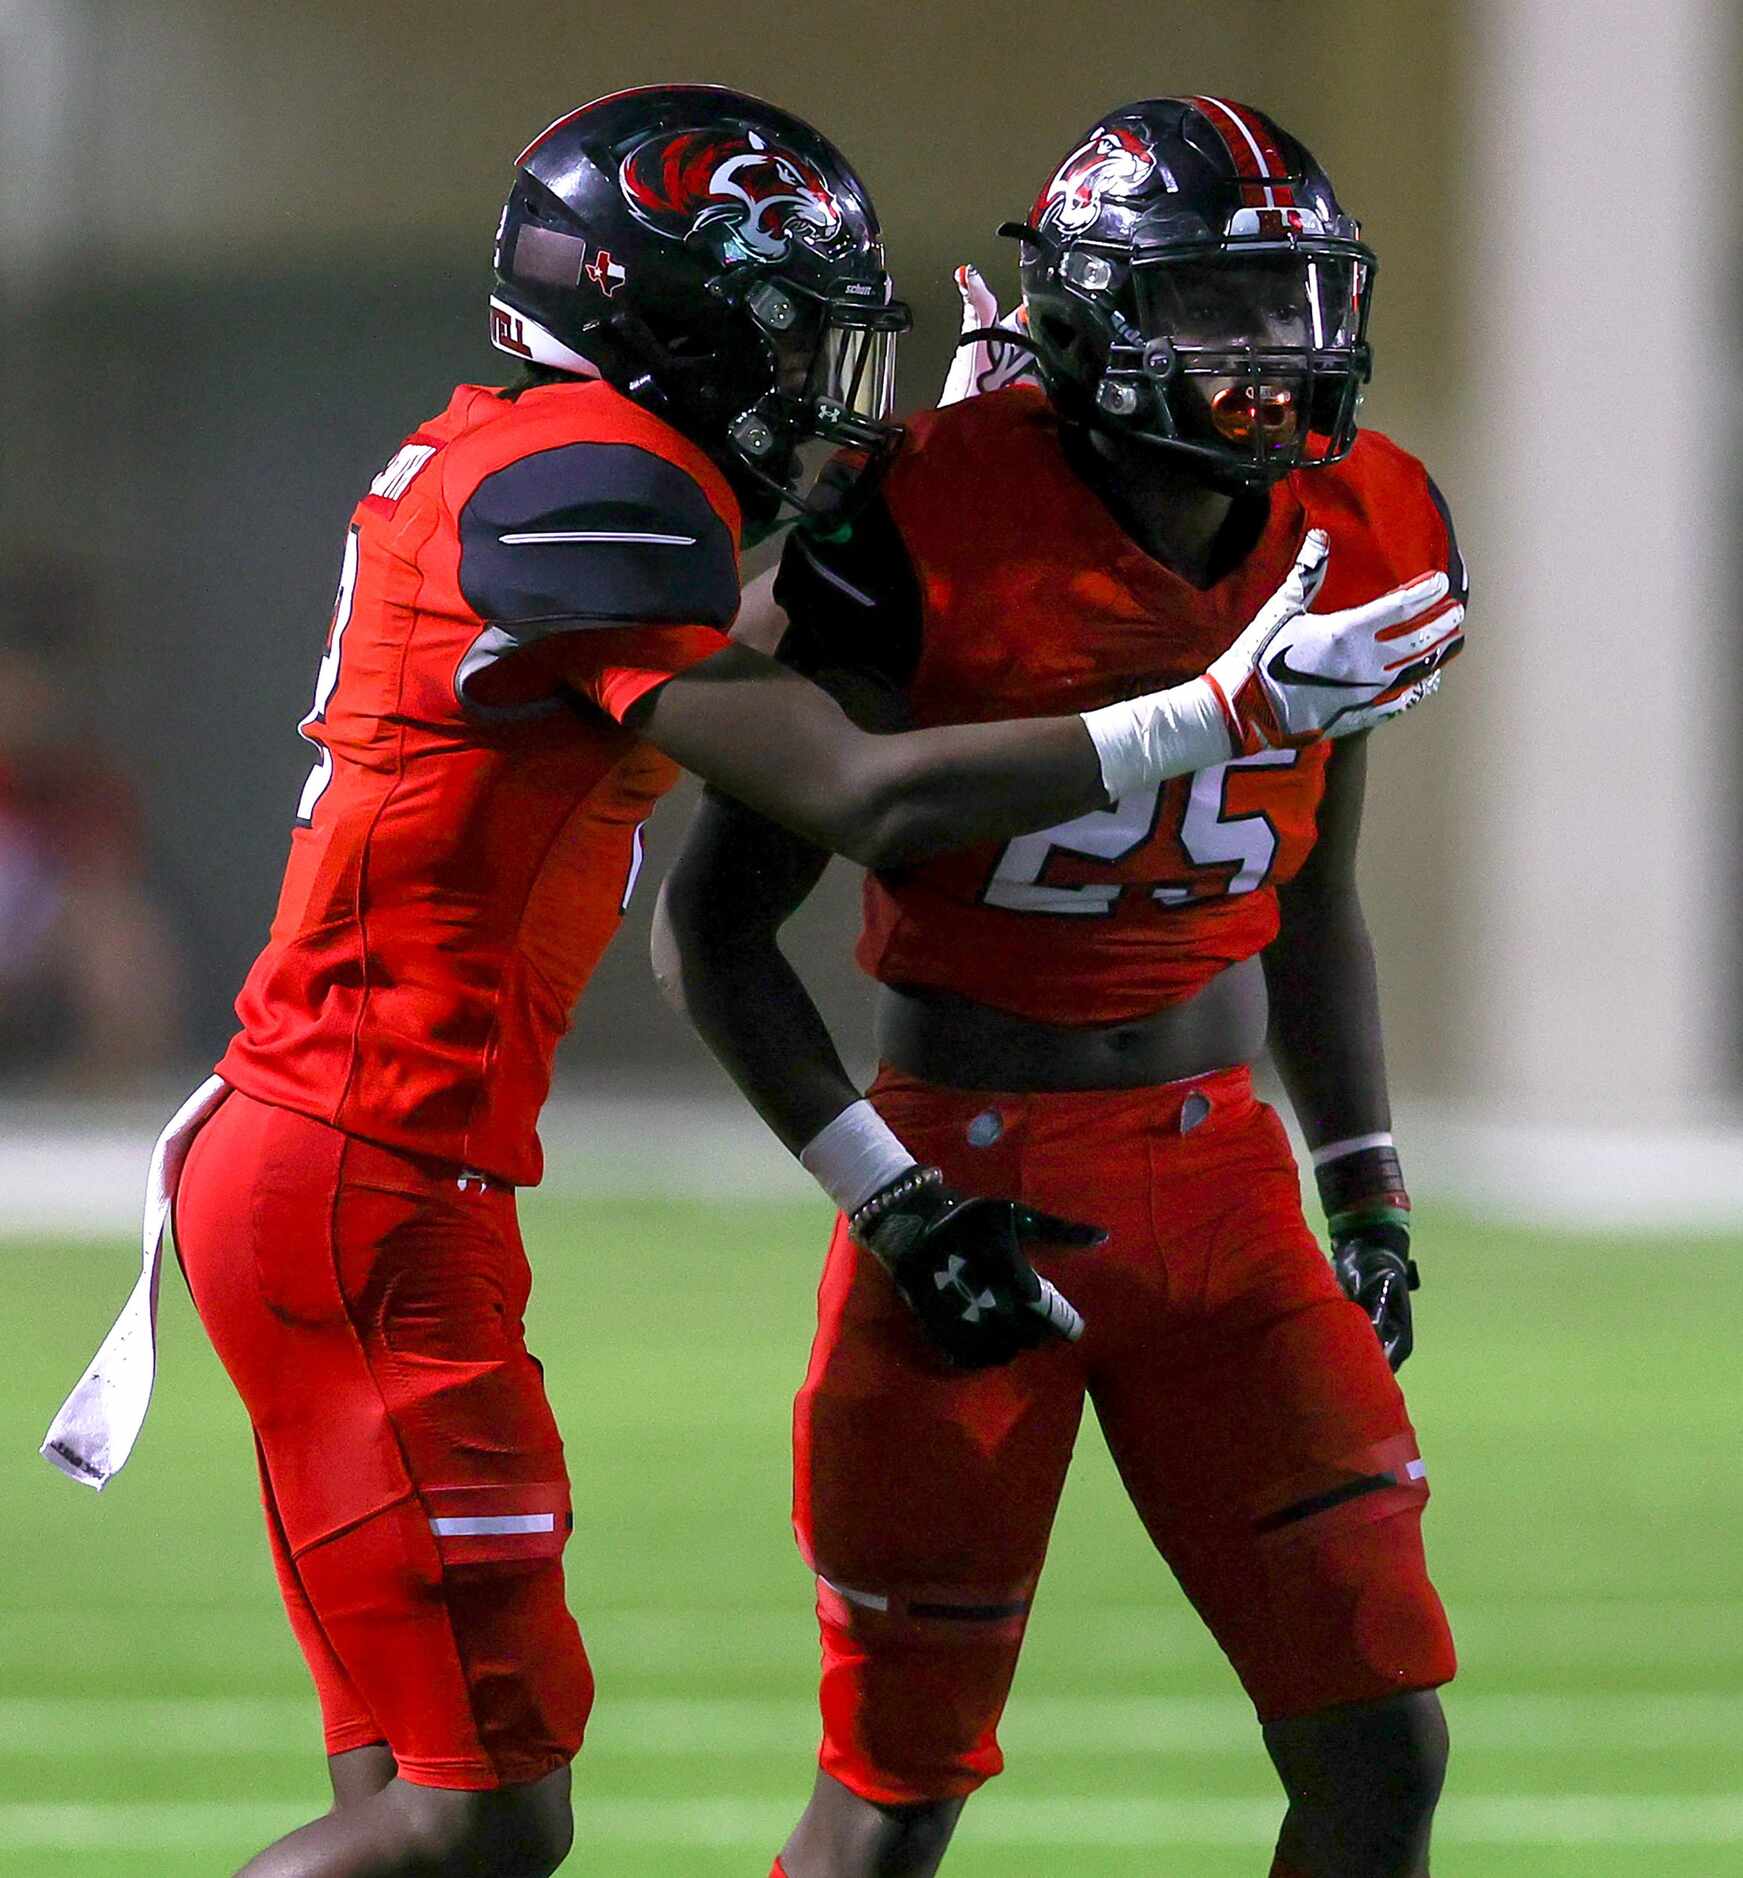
(367, 1305)
(1256, 1426)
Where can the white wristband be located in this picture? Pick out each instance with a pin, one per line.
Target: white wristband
(1352, 1144)
(854, 1156)
(1143, 741)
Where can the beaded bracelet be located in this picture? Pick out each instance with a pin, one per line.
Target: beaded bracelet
(887, 1199)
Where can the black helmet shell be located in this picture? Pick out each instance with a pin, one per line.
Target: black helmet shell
(1212, 183)
(665, 237)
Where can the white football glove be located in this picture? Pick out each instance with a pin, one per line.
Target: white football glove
(1290, 678)
(985, 364)
(1294, 676)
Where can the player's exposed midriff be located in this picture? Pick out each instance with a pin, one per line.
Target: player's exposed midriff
(959, 1043)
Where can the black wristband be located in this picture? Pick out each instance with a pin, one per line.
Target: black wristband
(1368, 1177)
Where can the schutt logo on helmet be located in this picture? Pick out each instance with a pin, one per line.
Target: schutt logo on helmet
(1111, 161)
(758, 195)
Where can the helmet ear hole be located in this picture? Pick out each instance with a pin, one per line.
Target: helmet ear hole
(1059, 331)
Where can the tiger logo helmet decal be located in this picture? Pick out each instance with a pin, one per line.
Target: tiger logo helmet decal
(759, 196)
(1111, 161)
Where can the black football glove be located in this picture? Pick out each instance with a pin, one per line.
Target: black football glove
(1373, 1264)
(959, 1261)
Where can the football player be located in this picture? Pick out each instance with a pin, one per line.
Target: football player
(1069, 1017)
(529, 638)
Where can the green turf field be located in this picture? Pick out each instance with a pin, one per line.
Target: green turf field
(1578, 1401)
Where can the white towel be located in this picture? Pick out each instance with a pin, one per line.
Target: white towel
(92, 1436)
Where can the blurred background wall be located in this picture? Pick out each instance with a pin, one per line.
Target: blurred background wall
(246, 250)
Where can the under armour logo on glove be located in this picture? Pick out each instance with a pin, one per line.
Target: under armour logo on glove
(974, 1303)
(960, 1262)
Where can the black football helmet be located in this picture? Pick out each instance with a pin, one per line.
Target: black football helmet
(1191, 281)
(718, 261)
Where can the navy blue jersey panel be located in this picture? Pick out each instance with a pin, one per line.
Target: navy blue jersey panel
(1455, 560)
(605, 533)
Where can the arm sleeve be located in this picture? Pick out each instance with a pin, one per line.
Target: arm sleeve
(852, 599)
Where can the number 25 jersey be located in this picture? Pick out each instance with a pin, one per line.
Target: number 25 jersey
(988, 580)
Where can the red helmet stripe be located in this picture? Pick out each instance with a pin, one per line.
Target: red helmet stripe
(1276, 164)
(1252, 149)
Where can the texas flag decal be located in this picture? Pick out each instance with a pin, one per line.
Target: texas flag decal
(605, 273)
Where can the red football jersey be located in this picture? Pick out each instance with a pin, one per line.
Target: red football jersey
(991, 582)
(517, 576)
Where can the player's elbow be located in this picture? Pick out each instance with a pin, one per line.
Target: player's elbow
(892, 812)
(704, 941)
(1317, 911)
(905, 831)
(678, 946)
(874, 832)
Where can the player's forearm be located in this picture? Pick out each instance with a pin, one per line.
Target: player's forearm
(1325, 1017)
(782, 747)
(932, 790)
(1326, 1038)
(749, 1006)
(716, 954)
(970, 783)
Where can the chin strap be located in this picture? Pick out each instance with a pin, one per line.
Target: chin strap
(1010, 335)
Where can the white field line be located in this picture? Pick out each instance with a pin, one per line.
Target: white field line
(1546, 1634)
(1081, 1644)
(79, 1169)
(1060, 1727)
(1594, 1820)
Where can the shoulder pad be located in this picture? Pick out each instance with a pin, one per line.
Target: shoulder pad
(976, 423)
(1387, 492)
(595, 533)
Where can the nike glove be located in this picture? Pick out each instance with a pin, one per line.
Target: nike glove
(985, 360)
(960, 1262)
(1293, 675)
(1373, 1264)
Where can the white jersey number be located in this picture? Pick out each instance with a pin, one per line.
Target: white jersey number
(1210, 836)
(325, 680)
